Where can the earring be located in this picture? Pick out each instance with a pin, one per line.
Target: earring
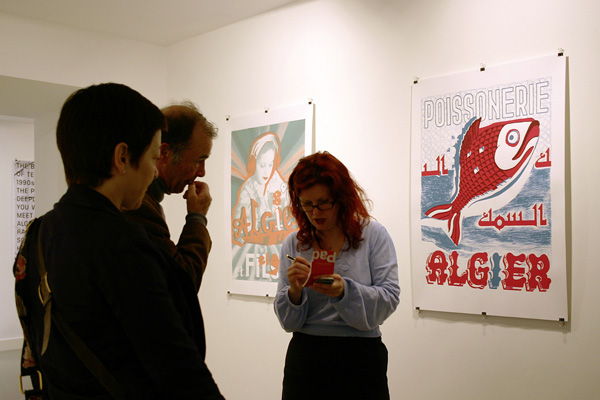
(124, 171)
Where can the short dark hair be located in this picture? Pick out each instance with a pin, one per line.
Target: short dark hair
(94, 120)
(182, 118)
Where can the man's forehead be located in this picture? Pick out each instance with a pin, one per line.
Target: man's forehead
(199, 145)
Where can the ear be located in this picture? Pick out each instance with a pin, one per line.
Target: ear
(165, 152)
(121, 158)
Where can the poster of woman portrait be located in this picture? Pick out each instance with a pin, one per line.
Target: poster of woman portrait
(264, 150)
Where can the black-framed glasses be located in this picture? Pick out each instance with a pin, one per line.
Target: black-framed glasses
(321, 206)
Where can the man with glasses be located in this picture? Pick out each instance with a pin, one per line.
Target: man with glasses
(186, 145)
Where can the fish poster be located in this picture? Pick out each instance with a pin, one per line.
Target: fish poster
(488, 191)
(265, 148)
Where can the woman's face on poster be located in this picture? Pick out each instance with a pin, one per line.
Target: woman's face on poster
(264, 164)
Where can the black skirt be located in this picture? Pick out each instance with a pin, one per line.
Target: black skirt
(344, 368)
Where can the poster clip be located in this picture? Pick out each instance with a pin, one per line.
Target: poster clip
(416, 80)
(561, 52)
(482, 67)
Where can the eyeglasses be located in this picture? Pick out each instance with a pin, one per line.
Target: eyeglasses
(321, 206)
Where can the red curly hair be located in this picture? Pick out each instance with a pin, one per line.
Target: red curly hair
(324, 169)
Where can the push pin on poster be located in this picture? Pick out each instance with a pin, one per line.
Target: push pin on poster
(482, 67)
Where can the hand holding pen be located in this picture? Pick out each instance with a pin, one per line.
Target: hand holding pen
(297, 274)
(329, 285)
(326, 280)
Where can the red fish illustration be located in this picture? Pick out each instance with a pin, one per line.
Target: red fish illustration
(490, 160)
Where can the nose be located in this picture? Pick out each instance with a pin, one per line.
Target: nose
(200, 170)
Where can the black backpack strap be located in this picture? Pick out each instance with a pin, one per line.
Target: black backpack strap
(89, 359)
(26, 303)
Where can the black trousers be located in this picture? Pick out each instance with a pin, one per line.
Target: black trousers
(344, 368)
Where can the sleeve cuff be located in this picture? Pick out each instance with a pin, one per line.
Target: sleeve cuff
(344, 296)
(197, 217)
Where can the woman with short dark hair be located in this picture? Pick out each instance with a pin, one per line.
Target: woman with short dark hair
(135, 310)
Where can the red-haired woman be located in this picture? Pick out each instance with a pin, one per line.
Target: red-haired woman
(336, 351)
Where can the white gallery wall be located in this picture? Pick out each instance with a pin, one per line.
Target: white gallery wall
(16, 136)
(357, 60)
(52, 53)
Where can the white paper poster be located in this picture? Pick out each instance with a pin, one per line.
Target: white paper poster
(23, 200)
(265, 148)
(487, 191)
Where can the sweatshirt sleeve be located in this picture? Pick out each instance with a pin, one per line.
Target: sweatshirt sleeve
(365, 307)
(291, 316)
(192, 249)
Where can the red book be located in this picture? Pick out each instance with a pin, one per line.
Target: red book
(323, 263)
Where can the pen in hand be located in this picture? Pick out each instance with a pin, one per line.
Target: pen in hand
(324, 280)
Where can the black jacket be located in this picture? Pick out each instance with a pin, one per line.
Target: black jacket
(133, 307)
